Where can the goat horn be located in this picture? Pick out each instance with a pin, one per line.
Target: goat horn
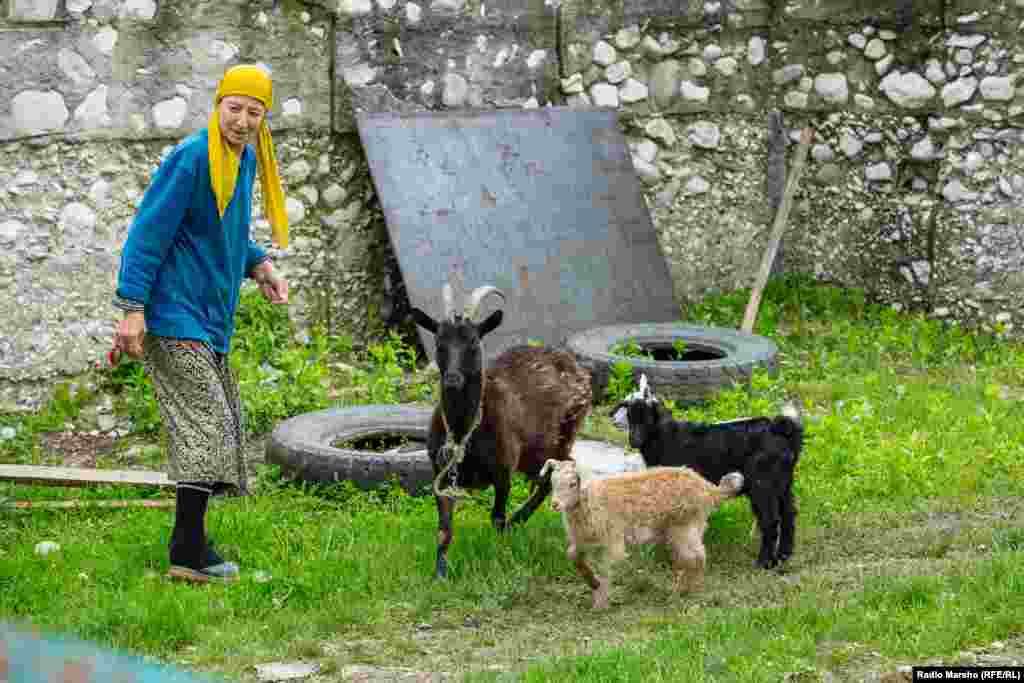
(448, 299)
(477, 297)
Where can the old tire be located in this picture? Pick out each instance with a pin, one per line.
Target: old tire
(302, 446)
(729, 356)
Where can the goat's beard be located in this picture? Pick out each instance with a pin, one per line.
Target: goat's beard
(461, 406)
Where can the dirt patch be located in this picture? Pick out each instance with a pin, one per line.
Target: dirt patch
(76, 449)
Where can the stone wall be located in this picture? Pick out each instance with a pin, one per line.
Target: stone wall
(913, 187)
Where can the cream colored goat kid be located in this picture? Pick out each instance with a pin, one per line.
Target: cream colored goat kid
(668, 505)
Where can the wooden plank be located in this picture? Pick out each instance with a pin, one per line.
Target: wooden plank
(81, 476)
(57, 504)
(750, 316)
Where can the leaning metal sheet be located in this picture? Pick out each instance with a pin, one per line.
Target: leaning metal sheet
(543, 203)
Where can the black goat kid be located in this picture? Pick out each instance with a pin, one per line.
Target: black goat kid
(765, 449)
(521, 411)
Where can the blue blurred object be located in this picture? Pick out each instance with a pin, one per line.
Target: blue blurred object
(28, 656)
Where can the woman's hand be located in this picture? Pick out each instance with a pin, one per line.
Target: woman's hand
(273, 287)
(130, 333)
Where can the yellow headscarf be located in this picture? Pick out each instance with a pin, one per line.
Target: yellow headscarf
(253, 81)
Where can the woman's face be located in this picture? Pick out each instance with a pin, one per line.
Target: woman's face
(240, 118)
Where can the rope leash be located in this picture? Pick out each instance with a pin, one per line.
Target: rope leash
(456, 452)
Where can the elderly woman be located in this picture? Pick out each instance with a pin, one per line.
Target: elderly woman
(186, 255)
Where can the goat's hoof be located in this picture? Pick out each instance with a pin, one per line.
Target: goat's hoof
(770, 563)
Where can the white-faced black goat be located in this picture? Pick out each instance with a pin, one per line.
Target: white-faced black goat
(765, 449)
(523, 410)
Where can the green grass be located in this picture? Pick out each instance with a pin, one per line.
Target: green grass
(910, 538)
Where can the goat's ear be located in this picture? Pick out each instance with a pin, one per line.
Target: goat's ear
(424, 320)
(488, 325)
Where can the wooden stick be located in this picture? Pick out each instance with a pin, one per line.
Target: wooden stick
(777, 229)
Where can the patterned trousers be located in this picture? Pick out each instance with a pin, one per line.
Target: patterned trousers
(202, 412)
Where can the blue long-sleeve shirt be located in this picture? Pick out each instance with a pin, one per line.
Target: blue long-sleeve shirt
(183, 264)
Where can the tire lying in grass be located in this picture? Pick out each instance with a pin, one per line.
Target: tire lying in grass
(713, 358)
(367, 445)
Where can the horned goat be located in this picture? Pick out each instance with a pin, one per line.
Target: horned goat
(667, 505)
(765, 449)
(524, 409)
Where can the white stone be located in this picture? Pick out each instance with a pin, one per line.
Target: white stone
(285, 671)
(413, 12)
(359, 75)
(628, 37)
(105, 40)
(954, 191)
(427, 89)
(536, 58)
(909, 89)
(959, 91)
(878, 172)
(697, 185)
(605, 95)
(806, 84)
(77, 218)
(295, 209)
(835, 57)
(755, 50)
(74, 67)
(222, 51)
(93, 109)
(33, 10)
(35, 111)
(354, 8)
(447, 5)
(99, 193)
(883, 65)
(44, 548)
(704, 134)
(298, 171)
(711, 53)
(618, 72)
(923, 149)
(455, 90)
(964, 57)
(531, 103)
(863, 101)
(796, 99)
(850, 145)
(832, 87)
(886, 34)
(660, 129)
(138, 9)
(648, 173)
(78, 6)
(822, 153)
(727, 66)
(875, 49)
(632, 91)
(333, 195)
(386, 5)
(697, 66)
(693, 92)
(9, 231)
(291, 107)
(934, 72)
(966, 41)
(573, 84)
(997, 88)
(604, 54)
(857, 40)
(646, 149)
(788, 74)
(170, 113)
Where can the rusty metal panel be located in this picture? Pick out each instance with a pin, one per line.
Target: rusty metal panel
(543, 203)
